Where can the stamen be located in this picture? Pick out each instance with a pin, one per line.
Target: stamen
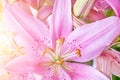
(49, 53)
(58, 47)
(68, 55)
(51, 50)
(48, 50)
(78, 52)
(44, 52)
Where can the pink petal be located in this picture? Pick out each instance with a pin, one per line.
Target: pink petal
(109, 62)
(116, 69)
(59, 74)
(84, 72)
(74, 72)
(27, 63)
(25, 76)
(29, 32)
(5, 59)
(103, 63)
(73, 2)
(61, 24)
(49, 74)
(22, 76)
(24, 6)
(44, 12)
(94, 15)
(115, 62)
(101, 5)
(35, 3)
(115, 4)
(62, 75)
(92, 38)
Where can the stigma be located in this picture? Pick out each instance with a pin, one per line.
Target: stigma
(59, 61)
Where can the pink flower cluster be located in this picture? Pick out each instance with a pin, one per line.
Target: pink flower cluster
(52, 39)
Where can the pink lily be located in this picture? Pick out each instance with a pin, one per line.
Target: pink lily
(8, 51)
(109, 62)
(44, 13)
(57, 56)
(105, 4)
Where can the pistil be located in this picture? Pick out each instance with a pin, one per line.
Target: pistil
(72, 54)
(59, 43)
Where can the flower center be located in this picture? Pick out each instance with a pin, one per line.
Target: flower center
(59, 61)
(55, 55)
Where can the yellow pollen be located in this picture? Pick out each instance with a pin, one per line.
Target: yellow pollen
(78, 52)
(58, 41)
(60, 62)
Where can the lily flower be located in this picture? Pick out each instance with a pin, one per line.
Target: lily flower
(8, 51)
(102, 5)
(109, 62)
(56, 52)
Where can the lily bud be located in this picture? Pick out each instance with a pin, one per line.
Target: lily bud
(82, 7)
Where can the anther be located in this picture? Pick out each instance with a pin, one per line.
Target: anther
(78, 52)
(44, 52)
(62, 40)
(50, 49)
